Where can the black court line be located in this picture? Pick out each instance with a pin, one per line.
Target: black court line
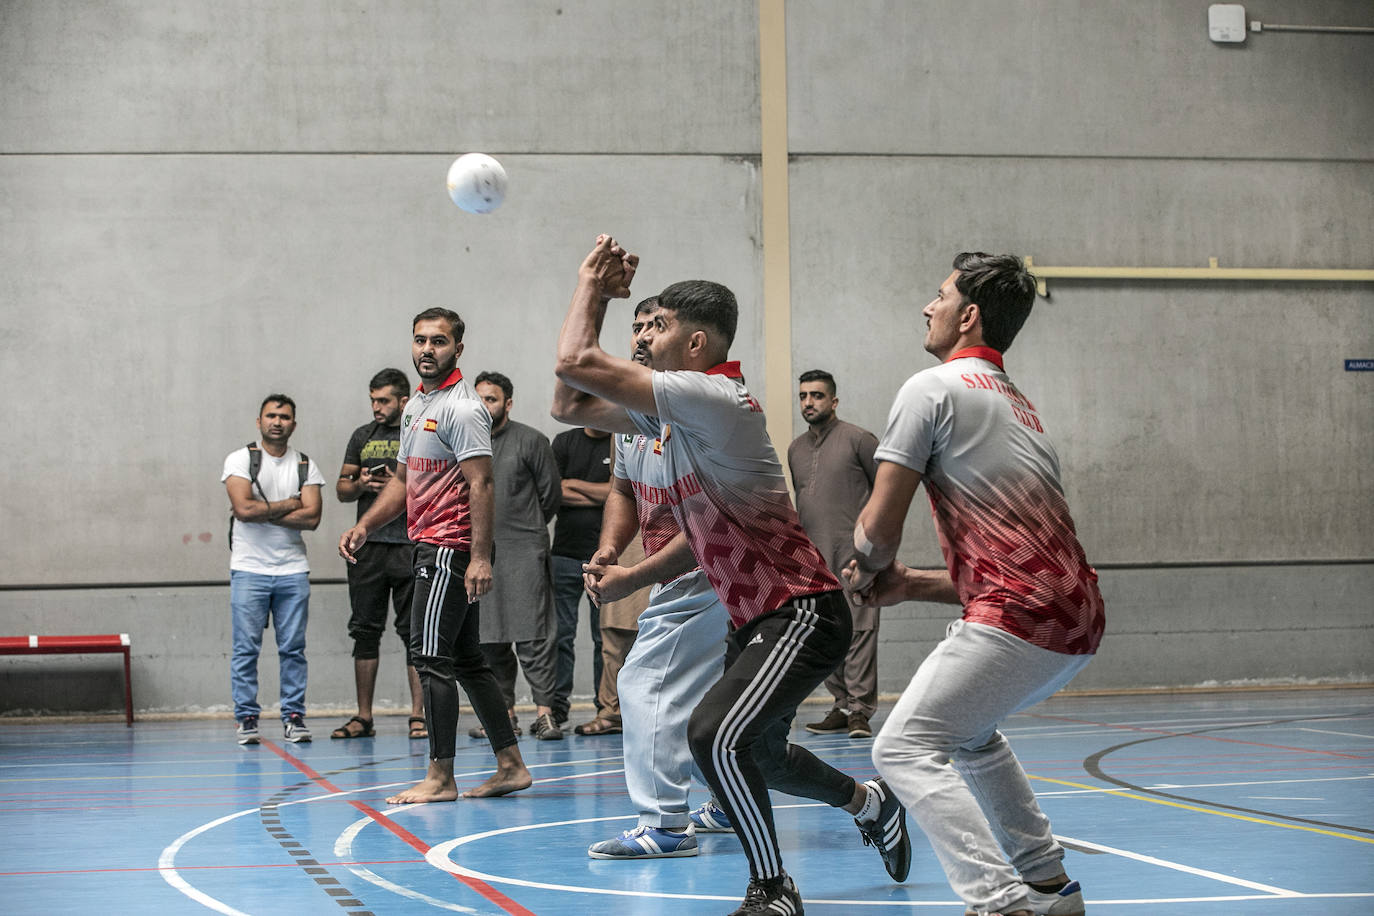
(1093, 765)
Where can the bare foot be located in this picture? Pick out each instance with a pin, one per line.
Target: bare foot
(429, 790)
(502, 782)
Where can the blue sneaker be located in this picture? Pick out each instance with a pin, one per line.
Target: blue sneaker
(711, 818)
(646, 843)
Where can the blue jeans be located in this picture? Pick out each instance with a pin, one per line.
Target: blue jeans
(254, 598)
(567, 596)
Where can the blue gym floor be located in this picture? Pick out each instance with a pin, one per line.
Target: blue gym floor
(1227, 803)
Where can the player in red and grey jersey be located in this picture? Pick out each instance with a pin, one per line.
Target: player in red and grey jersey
(443, 483)
(725, 486)
(1033, 614)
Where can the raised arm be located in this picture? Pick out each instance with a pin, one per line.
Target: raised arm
(878, 532)
(582, 364)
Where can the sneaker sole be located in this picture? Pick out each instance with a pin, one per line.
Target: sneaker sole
(253, 740)
(826, 731)
(701, 829)
(861, 733)
(679, 854)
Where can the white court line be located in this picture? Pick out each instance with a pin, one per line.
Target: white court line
(1204, 785)
(1177, 866)
(166, 862)
(1326, 731)
(343, 846)
(440, 856)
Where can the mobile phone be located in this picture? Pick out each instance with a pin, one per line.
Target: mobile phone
(379, 470)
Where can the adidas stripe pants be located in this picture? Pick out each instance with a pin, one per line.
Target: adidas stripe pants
(443, 642)
(738, 732)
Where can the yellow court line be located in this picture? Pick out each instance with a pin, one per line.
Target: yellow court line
(1174, 804)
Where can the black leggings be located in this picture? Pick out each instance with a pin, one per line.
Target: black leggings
(738, 732)
(443, 642)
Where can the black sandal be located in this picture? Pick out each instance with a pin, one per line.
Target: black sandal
(417, 728)
(343, 731)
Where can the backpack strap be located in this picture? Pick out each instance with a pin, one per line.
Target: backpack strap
(254, 466)
(303, 469)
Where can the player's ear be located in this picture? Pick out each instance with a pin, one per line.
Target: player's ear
(972, 316)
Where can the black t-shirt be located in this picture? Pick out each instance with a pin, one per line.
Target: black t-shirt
(580, 457)
(370, 446)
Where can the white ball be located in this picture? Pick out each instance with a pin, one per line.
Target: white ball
(477, 183)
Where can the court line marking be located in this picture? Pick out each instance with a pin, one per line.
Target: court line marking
(1178, 866)
(1207, 785)
(1239, 817)
(345, 842)
(1327, 731)
(440, 856)
(167, 859)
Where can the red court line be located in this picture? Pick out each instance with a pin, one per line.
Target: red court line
(419, 845)
(1174, 734)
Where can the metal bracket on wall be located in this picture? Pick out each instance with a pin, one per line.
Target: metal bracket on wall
(1210, 272)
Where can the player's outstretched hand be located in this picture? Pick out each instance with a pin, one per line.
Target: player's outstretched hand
(883, 589)
(610, 267)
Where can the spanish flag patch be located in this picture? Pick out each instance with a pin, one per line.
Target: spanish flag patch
(431, 425)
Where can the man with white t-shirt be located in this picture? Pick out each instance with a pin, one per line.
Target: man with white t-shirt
(725, 486)
(274, 493)
(1033, 615)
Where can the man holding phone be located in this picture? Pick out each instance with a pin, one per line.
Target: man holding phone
(384, 568)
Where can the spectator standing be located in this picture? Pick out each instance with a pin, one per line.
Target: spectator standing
(519, 608)
(584, 463)
(274, 493)
(384, 570)
(832, 474)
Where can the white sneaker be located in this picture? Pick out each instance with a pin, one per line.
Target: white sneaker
(1067, 901)
(295, 729)
(248, 730)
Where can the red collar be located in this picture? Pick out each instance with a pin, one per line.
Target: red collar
(729, 370)
(987, 353)
(454, 378)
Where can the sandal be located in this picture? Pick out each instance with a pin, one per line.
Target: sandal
(598, 726)
(417, 728)
(477, 731)
(343, 731)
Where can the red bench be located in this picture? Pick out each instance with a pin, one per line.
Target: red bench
(77, 645)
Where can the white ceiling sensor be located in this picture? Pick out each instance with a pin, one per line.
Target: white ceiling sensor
(1226, 22)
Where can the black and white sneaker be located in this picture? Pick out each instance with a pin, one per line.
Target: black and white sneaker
(887, 831)
(294, 729)
(247, 732)
(774, 897)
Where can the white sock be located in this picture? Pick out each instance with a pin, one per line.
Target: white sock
(872, 804)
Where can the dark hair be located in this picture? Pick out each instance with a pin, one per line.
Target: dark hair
(394, 379)
(818, 375)
(1002, 288)
(704, 304)
(648, 305)
(499, 380)
(455, 323)
(277, 399)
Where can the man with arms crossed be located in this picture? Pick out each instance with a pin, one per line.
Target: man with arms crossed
(1033, 616)
(443, 483)
(728, 495)
(680, 650)
(384, 568)
(269, 577)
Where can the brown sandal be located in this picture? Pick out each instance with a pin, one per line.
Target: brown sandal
(417, 728)
(598, 726)
(343, 731)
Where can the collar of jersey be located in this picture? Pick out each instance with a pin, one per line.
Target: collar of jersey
(987, 353)
(454, 378)
(729, 370)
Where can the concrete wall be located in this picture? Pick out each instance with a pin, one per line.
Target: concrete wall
(204, 202)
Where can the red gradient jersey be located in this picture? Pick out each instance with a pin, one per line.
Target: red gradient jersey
(438, 430)
(994, 485)
(725, 487)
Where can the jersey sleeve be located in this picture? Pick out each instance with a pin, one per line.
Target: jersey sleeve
(236, 465)
(697, 404)
(917, 424)
(313, 475)
(466, 429)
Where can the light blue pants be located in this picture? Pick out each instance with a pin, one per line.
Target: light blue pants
(983, 803)
(678, 654)
(254, 599)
